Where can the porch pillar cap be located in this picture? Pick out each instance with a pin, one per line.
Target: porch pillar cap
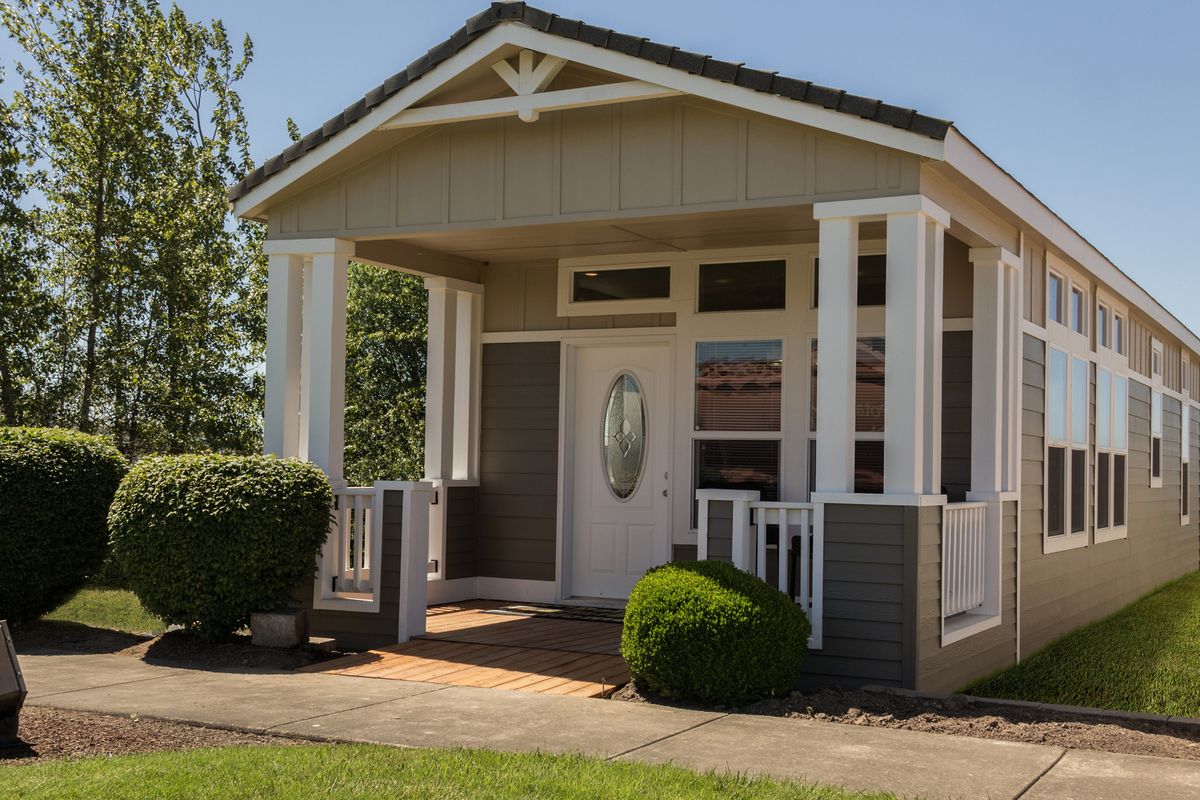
(999, 256)
(880, 207)
(309, 247)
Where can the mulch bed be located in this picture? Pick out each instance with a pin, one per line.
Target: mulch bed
(52, 734)
(964, 718)
(173, 647)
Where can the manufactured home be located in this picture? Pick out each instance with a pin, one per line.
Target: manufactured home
(680, 308)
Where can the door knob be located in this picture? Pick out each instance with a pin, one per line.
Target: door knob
(664, 492)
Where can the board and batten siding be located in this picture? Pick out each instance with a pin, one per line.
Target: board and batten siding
(357, 629)
(518, 461)
(1064, 591)
(611, 161)
(956, 413)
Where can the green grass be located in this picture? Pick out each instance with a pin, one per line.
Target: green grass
(349, 772)
(1145, 657)
(115, 609)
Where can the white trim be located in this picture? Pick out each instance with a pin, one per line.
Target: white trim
(309, 247)
(874, 208)
(966, 625)
(861, 499)
(454, 591)
(528, 107)
(515, 590)
(569, 334)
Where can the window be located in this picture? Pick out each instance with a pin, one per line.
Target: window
(1078, 311)
(1118, 334)
(1111, 454)
(1066, 451)
(1102, 326)
(1156, 426)
(870, 359)
(1185, 458)
(872, 280)
(636, 283)
(1054, 297)
(738, 416)
(742, 286)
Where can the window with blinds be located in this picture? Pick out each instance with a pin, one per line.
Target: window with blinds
(739, 385)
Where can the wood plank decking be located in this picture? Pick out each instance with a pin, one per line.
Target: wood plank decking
(464, 646)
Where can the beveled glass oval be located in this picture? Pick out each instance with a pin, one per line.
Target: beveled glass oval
(624, 443)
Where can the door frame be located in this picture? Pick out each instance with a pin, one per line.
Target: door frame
(564, 534)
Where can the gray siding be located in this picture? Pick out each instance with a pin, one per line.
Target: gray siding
(462, 522)
(355, 629)
(1063, 591)
(945, 669)
(956, 413)
(518, 473)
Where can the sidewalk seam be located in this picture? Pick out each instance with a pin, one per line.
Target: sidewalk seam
(34, 700)
(668, 736)
(356, 708)
(1040, 775)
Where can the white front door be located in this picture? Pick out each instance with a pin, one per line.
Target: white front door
(620, 523)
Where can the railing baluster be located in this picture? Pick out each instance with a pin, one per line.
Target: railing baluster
(781, 555)
(760, 555)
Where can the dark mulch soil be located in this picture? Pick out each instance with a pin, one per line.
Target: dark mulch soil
(965, 718)
(51, 733)
(173, 647)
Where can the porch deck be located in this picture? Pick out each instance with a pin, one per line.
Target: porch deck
(479, 643)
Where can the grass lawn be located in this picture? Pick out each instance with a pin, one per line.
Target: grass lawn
(348, 772)
(114, 609)
(1145, 657)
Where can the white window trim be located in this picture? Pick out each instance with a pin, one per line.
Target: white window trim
(1156, 388)
(1113, 532)
(1185, 457)
(1062, 333)
(1067, 540)
(568, 307)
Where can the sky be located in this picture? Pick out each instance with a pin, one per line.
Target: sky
(1094, 106)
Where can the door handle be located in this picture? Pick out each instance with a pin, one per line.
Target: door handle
(664, 492)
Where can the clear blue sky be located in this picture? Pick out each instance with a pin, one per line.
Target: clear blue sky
(1094, 106)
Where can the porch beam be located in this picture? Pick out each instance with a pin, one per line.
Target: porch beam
(285, 298)
(527, 107)
(837, 342)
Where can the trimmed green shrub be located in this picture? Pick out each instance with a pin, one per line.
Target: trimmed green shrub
(55, 489)
(706, 631)
(205, 540)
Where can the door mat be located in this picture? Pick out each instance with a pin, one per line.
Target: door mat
(575, 613)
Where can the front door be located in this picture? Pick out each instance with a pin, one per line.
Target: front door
(620, 511)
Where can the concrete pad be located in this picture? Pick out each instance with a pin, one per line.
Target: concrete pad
(50, 673)
(252, 701)
(908, 763)
(496, 719)
(1090, 775)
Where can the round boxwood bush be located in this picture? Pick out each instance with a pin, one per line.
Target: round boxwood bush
(205, 540)
(55, 489)
(708, 632)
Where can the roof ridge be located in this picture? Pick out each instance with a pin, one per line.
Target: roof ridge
(639, 47)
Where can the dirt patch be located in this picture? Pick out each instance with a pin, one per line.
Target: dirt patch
(177, 647)
(966, 718)
(51, 734)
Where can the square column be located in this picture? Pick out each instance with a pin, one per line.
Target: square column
(837, 341)
(323, 360)
(281, 416)
(452, 379)
(995, 361)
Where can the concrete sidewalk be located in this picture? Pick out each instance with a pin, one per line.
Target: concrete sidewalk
(411, 714)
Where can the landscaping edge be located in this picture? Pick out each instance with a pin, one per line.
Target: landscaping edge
(1190, 725)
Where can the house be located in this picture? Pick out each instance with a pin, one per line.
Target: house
(682, 308)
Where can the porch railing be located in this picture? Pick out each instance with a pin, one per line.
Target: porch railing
(353, 541)
(964, 557)
(751, 550)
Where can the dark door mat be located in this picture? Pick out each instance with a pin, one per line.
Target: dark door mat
(578, 613)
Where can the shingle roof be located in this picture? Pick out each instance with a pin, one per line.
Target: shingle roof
(639, 47)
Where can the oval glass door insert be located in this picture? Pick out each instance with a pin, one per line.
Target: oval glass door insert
(624, 445)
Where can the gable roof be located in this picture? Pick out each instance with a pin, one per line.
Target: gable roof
(663, 54)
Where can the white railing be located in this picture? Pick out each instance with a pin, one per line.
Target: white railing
(751, 551)
(964, 557)
(352, 540)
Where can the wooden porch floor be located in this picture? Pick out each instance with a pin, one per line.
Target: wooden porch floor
(464, 645)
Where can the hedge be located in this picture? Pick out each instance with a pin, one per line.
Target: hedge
(206, 540)
(708, 632)
(55, 489)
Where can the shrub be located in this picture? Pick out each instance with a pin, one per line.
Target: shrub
(55, 489)
(205, 540)
(708, 632)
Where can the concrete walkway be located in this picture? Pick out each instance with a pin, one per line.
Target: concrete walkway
(414, 714)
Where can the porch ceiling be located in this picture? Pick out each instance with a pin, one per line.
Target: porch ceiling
(653, 234)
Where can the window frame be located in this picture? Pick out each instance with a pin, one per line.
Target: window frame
(1185, 459)
(1068, 539)
(700, 263)
(1112, 451)
(568, 306)
(1156, 396)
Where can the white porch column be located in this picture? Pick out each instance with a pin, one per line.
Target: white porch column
(281, 415)
(323, 359)
(452, 379)
(837, 339)
(467, 355)
(994, 361)
(913, 363)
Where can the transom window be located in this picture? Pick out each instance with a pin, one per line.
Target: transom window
(1102, 332)
(742, 286)
(1078, 311)
(1055, 286)
(634, 283)
(872, 280)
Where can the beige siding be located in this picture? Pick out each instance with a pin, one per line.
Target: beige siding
(1139, 346)
(618, 160)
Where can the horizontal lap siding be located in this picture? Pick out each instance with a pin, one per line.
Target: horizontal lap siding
(1063, 591)
(462, 523)
(864, 621)
(945, 669)
(518, 480)
(355, 629)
